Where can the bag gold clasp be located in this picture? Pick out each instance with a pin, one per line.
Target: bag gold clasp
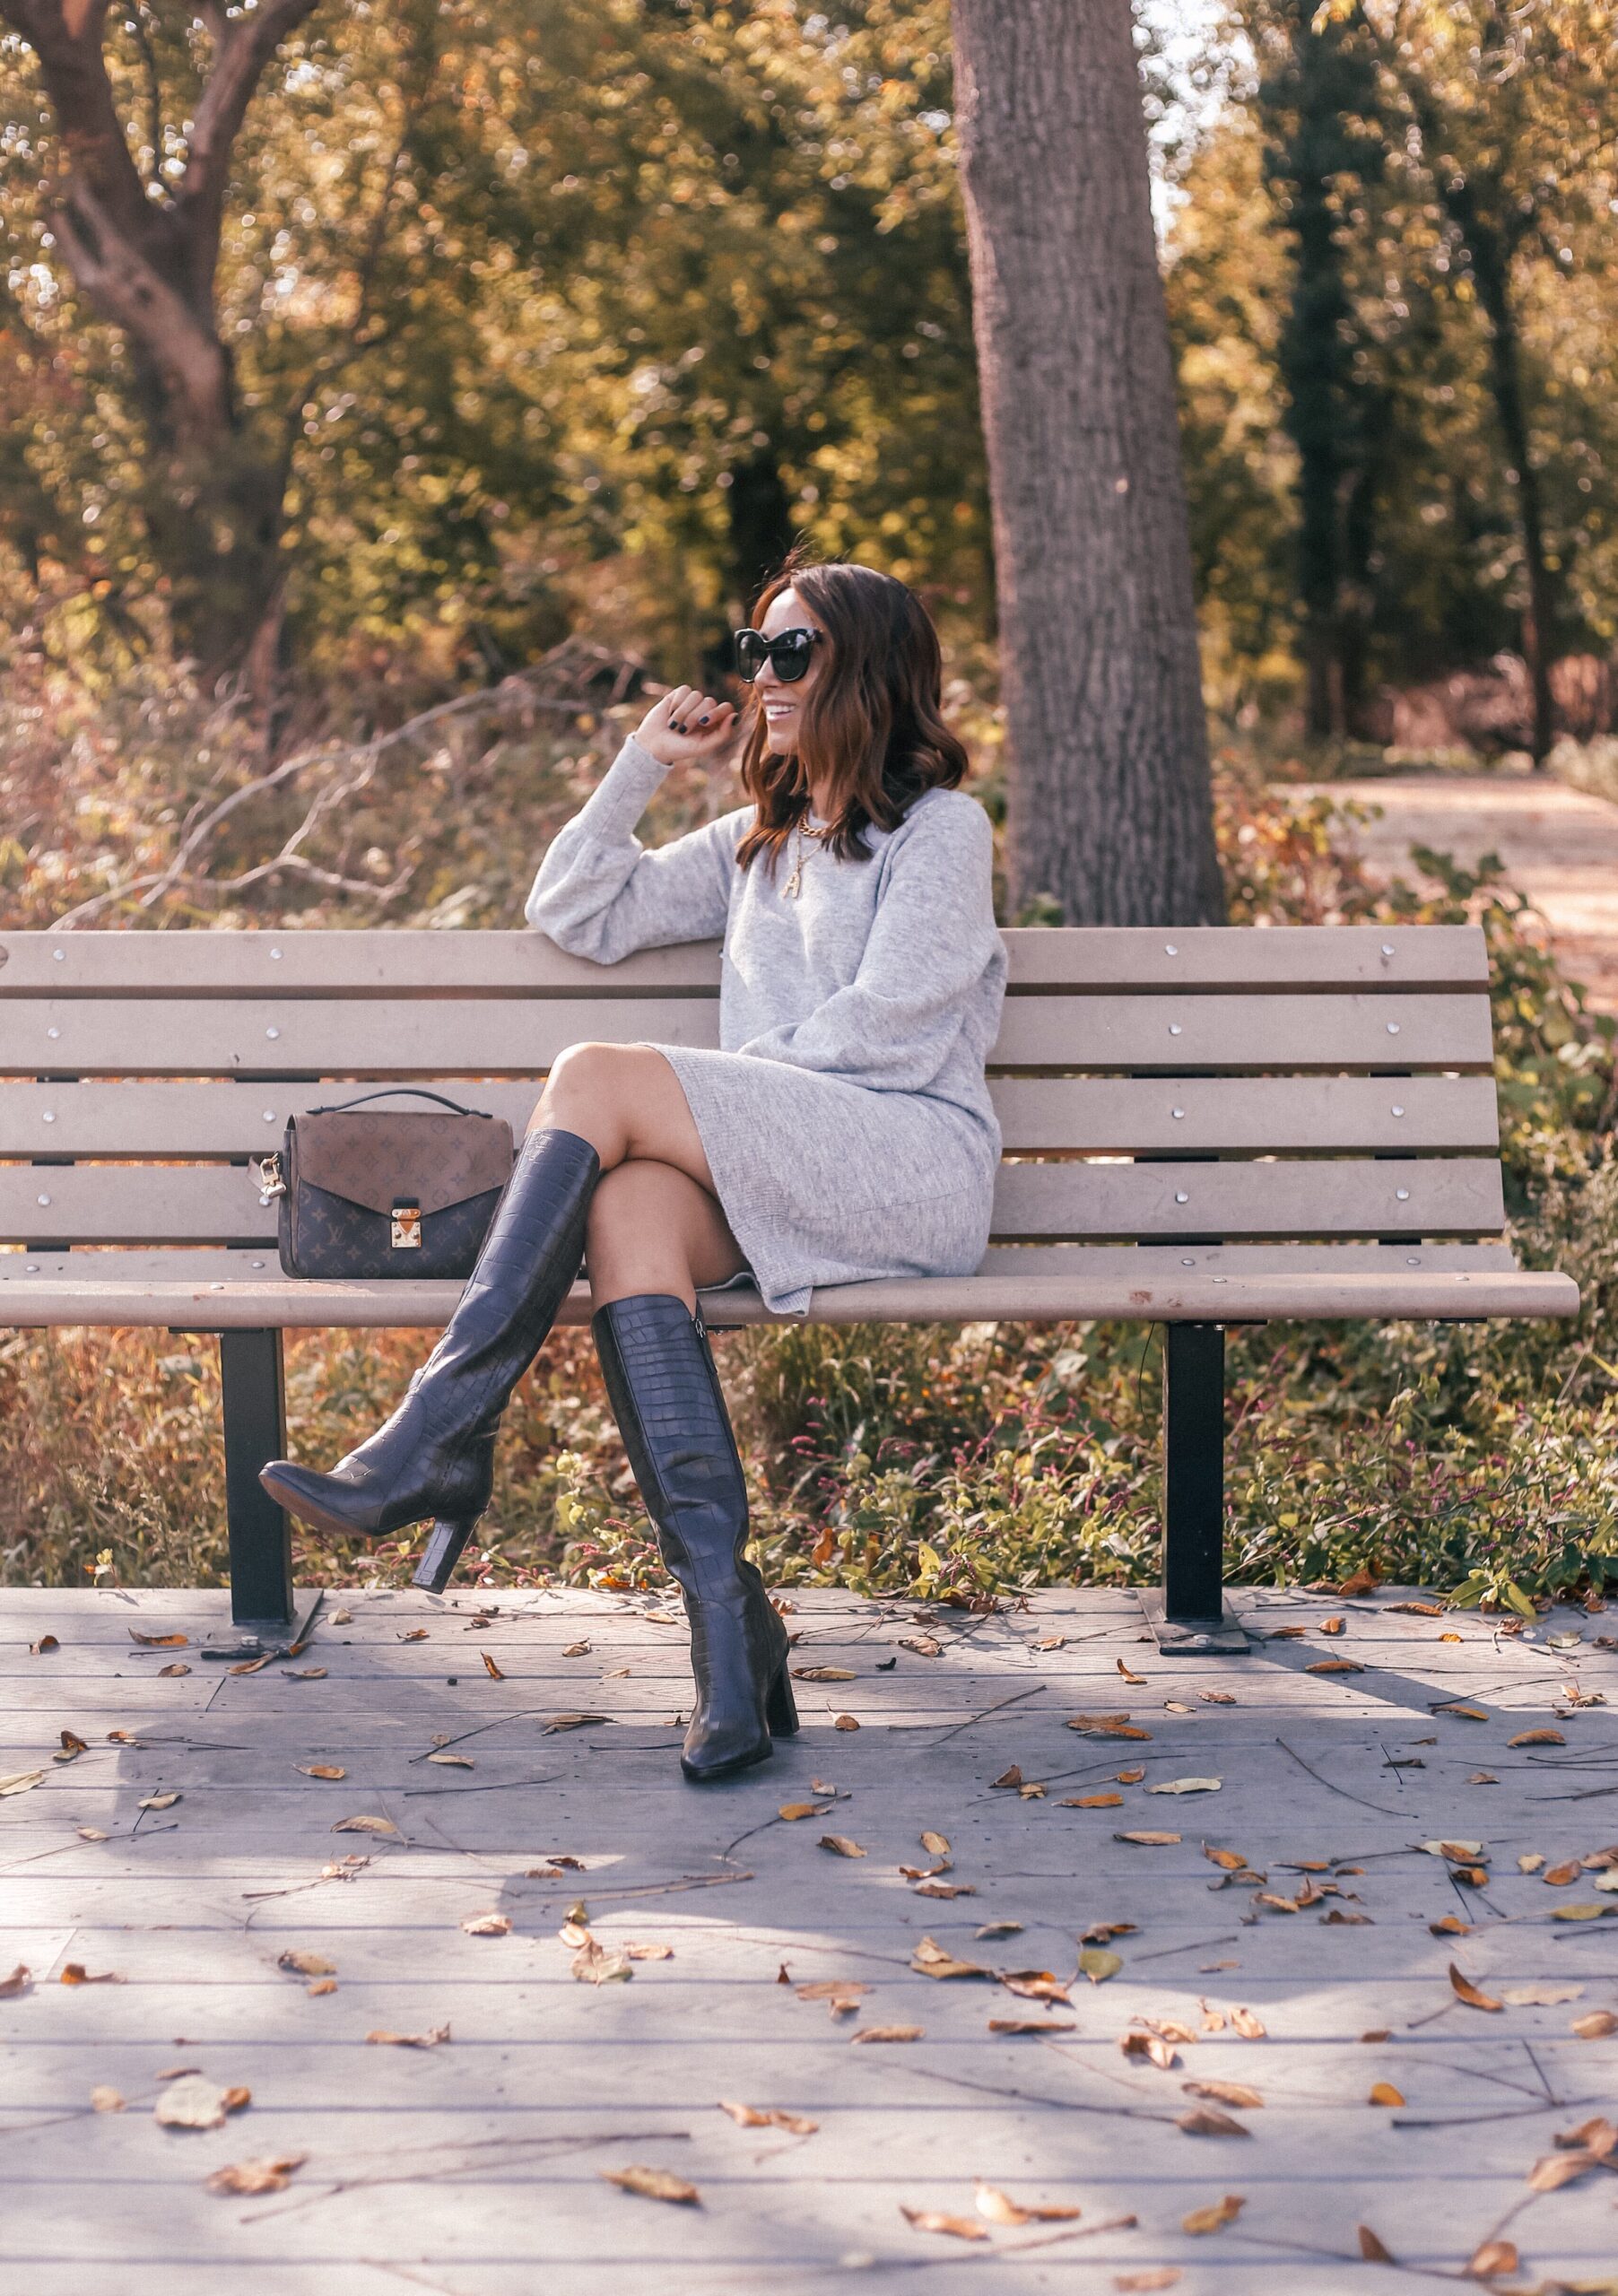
(272, 1181)
(407, 1227)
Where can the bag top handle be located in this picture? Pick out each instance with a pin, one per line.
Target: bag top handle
(386, 1092)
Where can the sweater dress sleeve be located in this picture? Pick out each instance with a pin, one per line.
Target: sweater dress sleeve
(601, 893)
(933, 940)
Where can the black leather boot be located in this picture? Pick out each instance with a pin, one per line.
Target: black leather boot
(433, 1460)
(666, 1396)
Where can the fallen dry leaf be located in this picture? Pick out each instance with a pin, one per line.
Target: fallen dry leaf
(576, 1650)
(1371, 2247)
(46, 1642)
(1151, 2046)
(1335, 1667)
(306, 1674)
(20, 1781)
(342, 1618)
(494, 1673)
(487, 1924)
(1580, 1912)
(1129, 1777)
(1596, 2025)
(1464, 1990)
(1215, 2219)
(1539, 1996)
(1093, 1801)
(176, 1666)
(160, 1801)
(1034, 1984)
(824, 1673)
(19, 1981)
(1250, 2027)
(1533, 1738)
(1557, 1877)
(1187, 1786)
(936, 1845)
(414, 1634)
(930, 1889)
(1137, 1679)
(1559, 2169)
(997, 2207)
(1383, 2092)
(844, 1993)
(1450, 1925)
(933, 2220)
(593, 1964)
(930, 1960)
(840, 1846)
(365, 1825)
(1138, 2283)
(1012, 1777)
(844, 1722)
(923, 1645)
(322, 1985)
(106, 2100)
(653, 2184)
(1049, 1643)
(75, 1973)
(1463, 1713)
(306, 1964)
(271, 2175)
(1226, 2092)
(889, 2034)
(1332, 1625)
(762, 2117)
(998, 1929)
(793, 1811)
(1031, 2024)
(160, 1641)
(190, 2101)
(432, 2040)
(321, 1770)
(572, 1722)
(454, 1762)
(1097, 1964)
(1150, 1840)
(1217, 1697)
(1107, 1725)
(1202, 2121)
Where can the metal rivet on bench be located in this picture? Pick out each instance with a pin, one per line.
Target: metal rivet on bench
(58, 955)
(269, 1114)
(1176, 1114)
(33, 1267)
(1397, 1110)
(1181, 1197)
(49, 1116)
(1413, 1263)
(272, 1034)
(41, 1199)
(1188, 1263)
(1169, 950)
(1388, 948)
(1393, 1028)
(1402, 1195)
(52, 1034)
(1174, 1028)
(274, 952)
(255, 1263)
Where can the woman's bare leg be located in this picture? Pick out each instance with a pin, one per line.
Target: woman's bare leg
(655, 1221)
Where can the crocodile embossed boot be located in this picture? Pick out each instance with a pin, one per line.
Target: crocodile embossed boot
(433, 1460)
(666, 1396)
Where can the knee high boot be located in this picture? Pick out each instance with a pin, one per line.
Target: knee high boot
(670, 1408)
(433, 1460)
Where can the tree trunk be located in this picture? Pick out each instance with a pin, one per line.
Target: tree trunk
(1490, 267)
(144, 256)
(1111, 811)
(759, 514)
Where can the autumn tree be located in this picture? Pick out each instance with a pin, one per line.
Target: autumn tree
(1110, 811)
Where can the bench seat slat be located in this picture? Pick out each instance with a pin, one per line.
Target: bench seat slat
(422, 1036)
(137, 1204)
(526, 964)
(1102, 1115)
(1181, 1295)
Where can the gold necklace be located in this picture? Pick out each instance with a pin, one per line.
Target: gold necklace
(794, 884)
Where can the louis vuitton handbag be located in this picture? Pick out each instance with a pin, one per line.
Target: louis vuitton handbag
(367, 1192)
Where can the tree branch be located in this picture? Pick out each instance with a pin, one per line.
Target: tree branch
(66, 36)
(242, 47)
(178, 341)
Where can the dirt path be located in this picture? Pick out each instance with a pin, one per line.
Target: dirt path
(1559, 847)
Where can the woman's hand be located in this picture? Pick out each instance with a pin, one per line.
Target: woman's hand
(687, 727)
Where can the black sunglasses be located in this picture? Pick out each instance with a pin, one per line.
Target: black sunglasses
(789, 652)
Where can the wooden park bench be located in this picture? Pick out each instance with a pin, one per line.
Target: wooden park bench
(1202, 1128)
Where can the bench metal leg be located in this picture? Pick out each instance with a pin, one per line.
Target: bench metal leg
(255, 1416)
(1190, 1617)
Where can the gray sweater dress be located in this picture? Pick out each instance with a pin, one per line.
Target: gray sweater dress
(846, 1119)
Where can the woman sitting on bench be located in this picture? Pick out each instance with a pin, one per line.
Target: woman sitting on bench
(844, 1132)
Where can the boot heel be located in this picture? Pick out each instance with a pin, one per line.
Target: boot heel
(444, 1548)
(780, 1708)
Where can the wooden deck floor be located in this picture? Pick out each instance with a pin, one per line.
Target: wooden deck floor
(475, 2166)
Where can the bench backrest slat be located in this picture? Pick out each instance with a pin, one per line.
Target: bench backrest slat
(527, 964)
(1100, 1116)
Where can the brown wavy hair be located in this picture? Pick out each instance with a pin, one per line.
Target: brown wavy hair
(871, 723)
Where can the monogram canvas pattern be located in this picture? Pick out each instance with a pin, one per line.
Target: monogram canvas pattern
(346, 1171)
